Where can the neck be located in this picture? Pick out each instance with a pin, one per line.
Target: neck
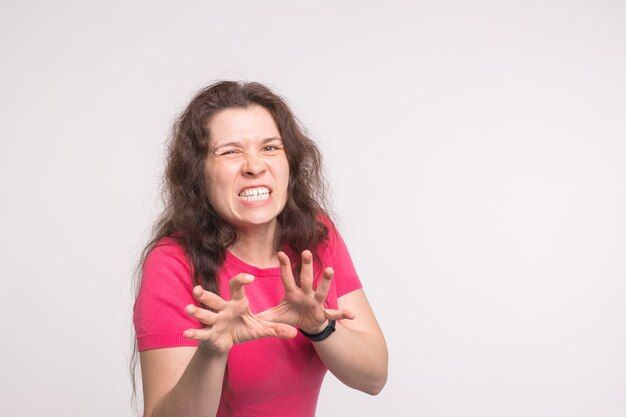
(255, 246)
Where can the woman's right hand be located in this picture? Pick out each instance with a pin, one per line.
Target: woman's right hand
(231, 321)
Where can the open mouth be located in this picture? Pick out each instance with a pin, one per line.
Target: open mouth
(255, 194)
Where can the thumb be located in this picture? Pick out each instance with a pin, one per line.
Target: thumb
(283, 331)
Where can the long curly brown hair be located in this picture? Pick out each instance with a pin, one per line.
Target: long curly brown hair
(188, 215)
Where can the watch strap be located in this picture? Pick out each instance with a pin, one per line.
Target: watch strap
(318, 337)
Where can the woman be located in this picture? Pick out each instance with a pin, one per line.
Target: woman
(244, 209)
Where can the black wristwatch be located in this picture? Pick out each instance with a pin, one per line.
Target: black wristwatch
(318, 337)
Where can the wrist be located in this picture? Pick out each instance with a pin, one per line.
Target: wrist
(211, 353)
(319, 328)
(321, 335)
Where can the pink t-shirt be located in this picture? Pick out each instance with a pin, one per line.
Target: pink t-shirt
(266, 377)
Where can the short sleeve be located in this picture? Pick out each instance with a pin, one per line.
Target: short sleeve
(166, 284)
(345, 277)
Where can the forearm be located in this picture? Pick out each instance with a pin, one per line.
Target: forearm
(199, 389)
(357, 358)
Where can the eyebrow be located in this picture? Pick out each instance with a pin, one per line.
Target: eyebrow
(238, 144)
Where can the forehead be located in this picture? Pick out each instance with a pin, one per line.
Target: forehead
(242, 125)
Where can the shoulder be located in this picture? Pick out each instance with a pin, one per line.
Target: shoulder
(333, 241)
(167, 248)
(334, 252)
(166, 266)
(164, 291)
(168, 251)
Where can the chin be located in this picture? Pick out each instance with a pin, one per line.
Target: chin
(257, 221)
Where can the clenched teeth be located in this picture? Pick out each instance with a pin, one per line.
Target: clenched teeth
(255, 194)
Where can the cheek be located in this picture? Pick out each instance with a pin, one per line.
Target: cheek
(284, 171)
(217, 185)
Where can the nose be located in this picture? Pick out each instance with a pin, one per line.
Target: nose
(253, 166)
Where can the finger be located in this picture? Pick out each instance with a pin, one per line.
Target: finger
(197, 334)
(286, 275)
(306, 272)
(208, 298)
(322, 289)
(236, 284)
(204, 316)
(342, 314)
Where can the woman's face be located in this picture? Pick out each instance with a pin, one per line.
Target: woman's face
(246, 171)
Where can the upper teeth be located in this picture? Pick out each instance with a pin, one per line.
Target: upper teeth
(251, 192)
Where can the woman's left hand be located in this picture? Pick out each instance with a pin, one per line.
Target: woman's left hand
(302, 306)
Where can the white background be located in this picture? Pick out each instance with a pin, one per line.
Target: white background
(476, 151)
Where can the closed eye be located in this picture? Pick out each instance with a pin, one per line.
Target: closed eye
(228, 152)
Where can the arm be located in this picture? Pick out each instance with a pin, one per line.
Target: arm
(187, 381)
(356, 353)
(199, 375)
